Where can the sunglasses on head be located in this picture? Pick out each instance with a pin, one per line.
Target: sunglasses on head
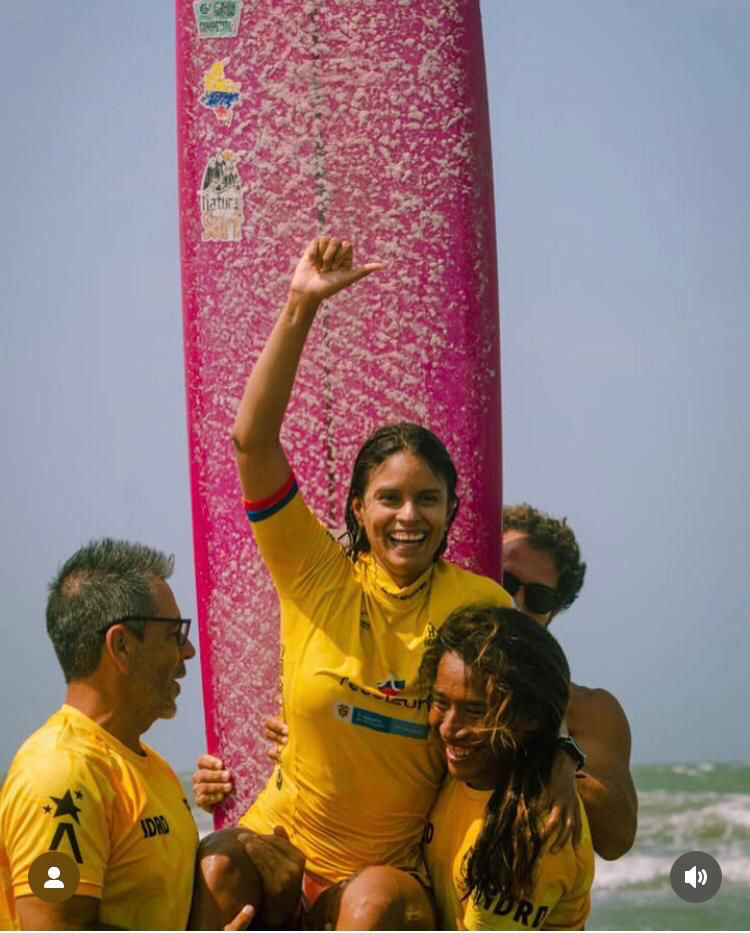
(539, 598)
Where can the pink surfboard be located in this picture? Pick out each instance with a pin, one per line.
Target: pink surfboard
(369, 121)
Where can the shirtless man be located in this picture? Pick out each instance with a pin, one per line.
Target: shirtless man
(543, 571)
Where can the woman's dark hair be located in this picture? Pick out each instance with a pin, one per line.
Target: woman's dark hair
(523, 673)
(386, 441)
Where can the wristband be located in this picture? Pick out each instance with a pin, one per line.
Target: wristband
(569, 745)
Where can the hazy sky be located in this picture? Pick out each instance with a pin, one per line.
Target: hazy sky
(621, 135)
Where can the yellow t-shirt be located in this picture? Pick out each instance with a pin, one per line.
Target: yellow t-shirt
(123, 817)
(560, 899)
(359, 774)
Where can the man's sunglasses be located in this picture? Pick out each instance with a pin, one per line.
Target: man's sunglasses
(181, 634)
(539, 598)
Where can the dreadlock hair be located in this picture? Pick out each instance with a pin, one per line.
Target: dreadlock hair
(379, 446)
(554, 536)
(522, 672)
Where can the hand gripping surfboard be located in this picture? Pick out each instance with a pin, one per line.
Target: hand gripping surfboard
(367, 120)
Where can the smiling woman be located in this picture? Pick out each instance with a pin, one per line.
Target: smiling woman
(402, 500)
(358, 776)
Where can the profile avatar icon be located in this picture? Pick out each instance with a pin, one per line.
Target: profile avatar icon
(54, 875)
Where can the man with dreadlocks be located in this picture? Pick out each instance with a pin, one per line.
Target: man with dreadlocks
(500, 687)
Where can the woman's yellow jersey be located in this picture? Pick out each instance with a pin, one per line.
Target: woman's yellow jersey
(359, 773)
(560, 898)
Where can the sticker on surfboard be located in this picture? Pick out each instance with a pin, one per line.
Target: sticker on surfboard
(221, 199)
(217, 19)
(220, 93)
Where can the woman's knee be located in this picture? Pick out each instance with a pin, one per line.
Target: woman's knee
(225, 879)
(381, 897)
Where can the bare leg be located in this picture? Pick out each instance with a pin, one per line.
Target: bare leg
(225, 880)
(378, 897)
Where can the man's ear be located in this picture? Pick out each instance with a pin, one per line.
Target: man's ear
(118, 643)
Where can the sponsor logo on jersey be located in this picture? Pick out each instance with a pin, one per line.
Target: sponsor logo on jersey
(154, 826)
(391, 686)
(357, 716)
(66, 806)
(523, 911)
(415, 703)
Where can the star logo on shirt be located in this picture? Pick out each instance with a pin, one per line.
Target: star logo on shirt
(65, 806)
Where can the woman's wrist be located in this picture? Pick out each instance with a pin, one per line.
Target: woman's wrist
(301, 303)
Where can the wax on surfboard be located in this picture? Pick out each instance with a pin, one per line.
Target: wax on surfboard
(363, 120)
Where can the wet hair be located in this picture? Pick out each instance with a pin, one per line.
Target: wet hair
(384, 443)
(522, 672)
(554, 536)
(103, 581)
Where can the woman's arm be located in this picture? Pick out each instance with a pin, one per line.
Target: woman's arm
(325, 268)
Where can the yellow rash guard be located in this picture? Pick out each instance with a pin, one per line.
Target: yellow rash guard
(123, 817)
(358, 775)
(560, 899)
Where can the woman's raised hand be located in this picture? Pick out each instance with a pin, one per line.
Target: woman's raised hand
(327, 267)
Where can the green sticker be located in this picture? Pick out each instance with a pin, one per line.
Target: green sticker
(217, 19)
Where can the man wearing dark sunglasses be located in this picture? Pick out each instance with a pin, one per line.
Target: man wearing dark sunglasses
(85, 785)
(544, 573)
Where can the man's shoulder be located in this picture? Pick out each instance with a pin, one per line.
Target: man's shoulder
(593, 697)
(61, 751)
(591, 705)
(161, 763)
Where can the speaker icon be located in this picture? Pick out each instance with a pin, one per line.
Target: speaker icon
(695, 876)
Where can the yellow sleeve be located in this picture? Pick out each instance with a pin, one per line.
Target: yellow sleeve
(300, 554)
(56, 803)
(571, 911)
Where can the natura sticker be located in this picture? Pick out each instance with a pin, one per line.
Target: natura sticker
(221, 199)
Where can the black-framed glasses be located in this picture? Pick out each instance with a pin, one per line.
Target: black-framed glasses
(539, 598)
(181, 634)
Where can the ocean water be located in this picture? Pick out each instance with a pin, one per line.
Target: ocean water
(682, 807)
